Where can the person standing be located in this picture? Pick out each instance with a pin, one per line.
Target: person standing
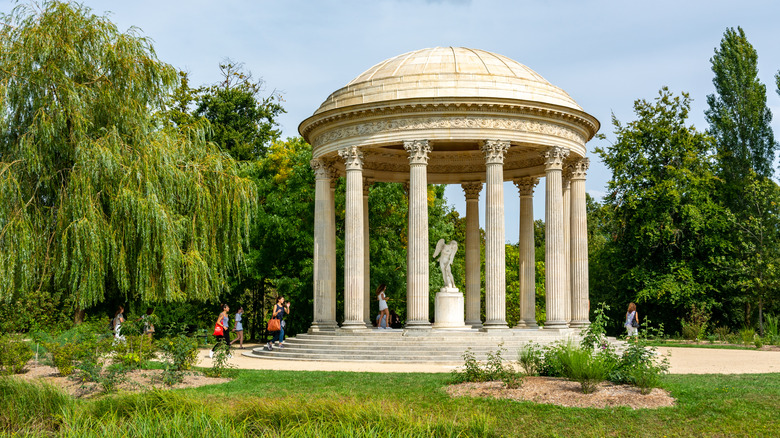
(116, 323)
(239, 329)
(222, 321)
(384, 313)
(632, 320)
(148, 326)
(281, 309)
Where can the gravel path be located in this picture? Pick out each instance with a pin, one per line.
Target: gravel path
(681, 360)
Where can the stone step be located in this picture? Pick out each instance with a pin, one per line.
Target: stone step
(408, 346)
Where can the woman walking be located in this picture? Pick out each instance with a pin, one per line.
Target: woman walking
(116, 323)
(632, 320)
(281, 309)
(239, 329)
(383, 310)
(222, 321)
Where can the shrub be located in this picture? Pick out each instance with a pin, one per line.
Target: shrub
(531, 358)
(494, 369)
(553, 362)
(63, 357)
(581, 365)
(639, 366)
(695, 325)
(594, 335)
(180, 352)
(14, 354)
(721, 332)
(747, 334)
(771, 329)
(220, 365)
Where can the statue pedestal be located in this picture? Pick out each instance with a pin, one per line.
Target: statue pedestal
(449, 309)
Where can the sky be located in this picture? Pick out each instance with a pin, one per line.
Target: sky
(605, 54)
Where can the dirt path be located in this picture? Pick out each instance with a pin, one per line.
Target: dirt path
(681, 361)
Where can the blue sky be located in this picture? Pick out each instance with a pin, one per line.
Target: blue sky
(605, 54)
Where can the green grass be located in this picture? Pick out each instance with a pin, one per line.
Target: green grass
(303, 404)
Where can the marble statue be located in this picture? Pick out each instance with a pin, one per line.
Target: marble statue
(446, 253)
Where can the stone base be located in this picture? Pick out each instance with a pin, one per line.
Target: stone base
(474, 324)
(527, 325)
(317, 327)
(449, 309)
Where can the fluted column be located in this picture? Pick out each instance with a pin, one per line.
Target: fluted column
(367, 295)
(417, 287)
(331, 236)
(324, 249)
(527, 253)
(495, 251)
(473, 280)
(579, 246)
(555, 264)
(565, 187)
(353, 240)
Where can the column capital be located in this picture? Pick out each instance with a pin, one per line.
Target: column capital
(323, 169)
(418, 151)
(526, 185)
(472, 189)
(579, 168)
(494, 151)
(553, 157)
(353, 158)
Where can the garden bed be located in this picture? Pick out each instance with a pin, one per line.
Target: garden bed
(562, 392)
(134, 380)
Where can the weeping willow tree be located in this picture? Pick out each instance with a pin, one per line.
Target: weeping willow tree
(98, 195)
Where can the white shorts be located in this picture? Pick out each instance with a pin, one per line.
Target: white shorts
(632, 331)
(382, 305)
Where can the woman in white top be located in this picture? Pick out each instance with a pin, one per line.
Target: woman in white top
(383, 311)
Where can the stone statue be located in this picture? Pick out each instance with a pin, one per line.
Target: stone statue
(447, 251)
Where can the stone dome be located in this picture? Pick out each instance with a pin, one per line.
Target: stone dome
(448, 72)
(455, 98)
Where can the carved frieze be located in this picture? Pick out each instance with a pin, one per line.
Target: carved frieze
(402, 124)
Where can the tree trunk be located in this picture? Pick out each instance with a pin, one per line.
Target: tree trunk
(78, 317)
(761, 317)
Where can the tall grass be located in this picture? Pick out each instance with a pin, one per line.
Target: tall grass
(32, 406)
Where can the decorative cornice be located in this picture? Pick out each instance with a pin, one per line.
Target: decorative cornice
(526, 185)
(472, 189)
(553, 158)
(412, 123)
(418, 151)
(475, 105)
(579, 168)
(353, 158)
(495, 151)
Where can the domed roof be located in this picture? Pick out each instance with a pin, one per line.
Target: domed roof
(448, 72)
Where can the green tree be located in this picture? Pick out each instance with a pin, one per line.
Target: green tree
(738, 116)
(243, 122)
(665, 224)
(99, 198)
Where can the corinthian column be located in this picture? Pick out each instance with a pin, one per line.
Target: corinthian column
(527, 253)
(495, 251)
(555, 264)
(353, 240)
(473, 281)
(579, 246)
(565, 187)
(417, 254)
(366, 257)
(324, 249)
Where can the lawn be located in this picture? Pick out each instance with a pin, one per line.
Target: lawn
(295, 403)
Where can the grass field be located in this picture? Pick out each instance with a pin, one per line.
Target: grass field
(295, 403)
